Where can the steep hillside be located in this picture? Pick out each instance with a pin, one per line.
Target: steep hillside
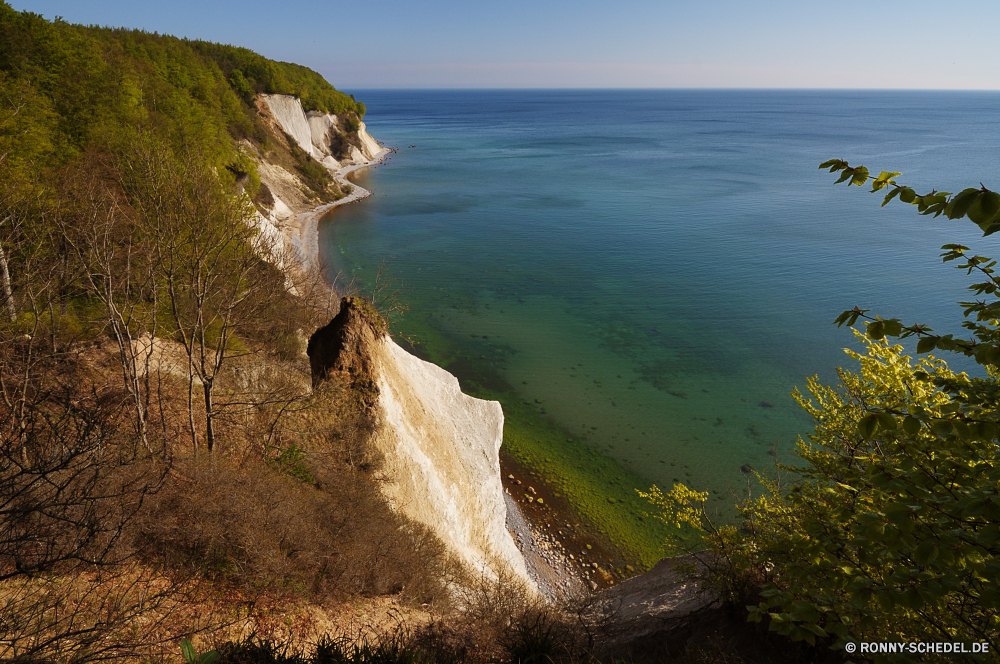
(440, 446)
(66, 89)
(302, 174)
(171, 466)
(165, 464)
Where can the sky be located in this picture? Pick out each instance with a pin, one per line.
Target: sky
(912, 44)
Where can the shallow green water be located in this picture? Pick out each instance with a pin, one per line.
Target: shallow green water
(651, 273)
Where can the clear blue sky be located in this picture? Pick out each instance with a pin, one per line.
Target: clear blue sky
(536, 43)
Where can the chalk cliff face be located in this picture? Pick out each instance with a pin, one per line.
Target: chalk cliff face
(441, 447)
(314, 132)
(288, 234)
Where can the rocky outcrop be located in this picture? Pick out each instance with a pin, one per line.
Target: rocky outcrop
(440, 446)
(647, 608)
(346, 347)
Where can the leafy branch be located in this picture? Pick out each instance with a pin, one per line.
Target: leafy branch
(978, 416)
(982, 207)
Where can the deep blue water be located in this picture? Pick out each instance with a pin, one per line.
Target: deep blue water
(655, 265)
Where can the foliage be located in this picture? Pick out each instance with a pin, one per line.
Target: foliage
(250, 73)
(291, 460)
(136, 305)
(191, 656)
(889, 527)
(65, 87)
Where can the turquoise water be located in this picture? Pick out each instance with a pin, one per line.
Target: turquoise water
(656, 270)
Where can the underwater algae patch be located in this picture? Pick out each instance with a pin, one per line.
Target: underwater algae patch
(597, 487)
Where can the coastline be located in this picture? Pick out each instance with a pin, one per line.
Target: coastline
(302, 230)
(546, 536)
(548, 551)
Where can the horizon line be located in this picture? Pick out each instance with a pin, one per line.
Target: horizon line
(659, 88)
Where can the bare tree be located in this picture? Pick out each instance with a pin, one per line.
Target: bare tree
(104, 237)
(13, 107)
(72, 475)
(214, 282)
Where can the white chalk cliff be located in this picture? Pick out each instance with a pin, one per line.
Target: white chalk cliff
(288, 232)
(314, 132)
(440, 446)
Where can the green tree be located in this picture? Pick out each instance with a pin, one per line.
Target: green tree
(889, 526)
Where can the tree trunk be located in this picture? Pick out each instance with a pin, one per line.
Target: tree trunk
(7, 294)
(209, 417)
(191, 424)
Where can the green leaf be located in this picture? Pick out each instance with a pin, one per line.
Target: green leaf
(816, 629)
(803, 611)
(989, 229)
(891, 195)
(843, 318)
(867, 425)
(860, 176)
(942, 428)
(887, 421)
(984, 207)
(960, 204)
(911, 425)
(875, 330)
(188, 651)
(892, 327)
(209, 657)
(926, 344)
(907, 195)
(849, 317)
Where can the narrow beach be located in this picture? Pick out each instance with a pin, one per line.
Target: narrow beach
(303, 229)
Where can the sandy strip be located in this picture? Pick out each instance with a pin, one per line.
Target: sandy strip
(303, 230)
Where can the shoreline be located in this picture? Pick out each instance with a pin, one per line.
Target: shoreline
(564, 554)
(588, 510)
(537, 531)
(597, 489)
(302, 230)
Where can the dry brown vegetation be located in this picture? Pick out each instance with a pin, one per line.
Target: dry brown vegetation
(160, 444)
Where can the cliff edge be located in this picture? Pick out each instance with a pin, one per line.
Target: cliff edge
(440, 446)
(288, 220)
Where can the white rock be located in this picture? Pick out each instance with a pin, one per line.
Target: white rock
(442, 452)
(313, 131)
(287, 110)
(321, 128)
(369, 146)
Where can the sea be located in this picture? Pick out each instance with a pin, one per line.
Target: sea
(652, 273)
